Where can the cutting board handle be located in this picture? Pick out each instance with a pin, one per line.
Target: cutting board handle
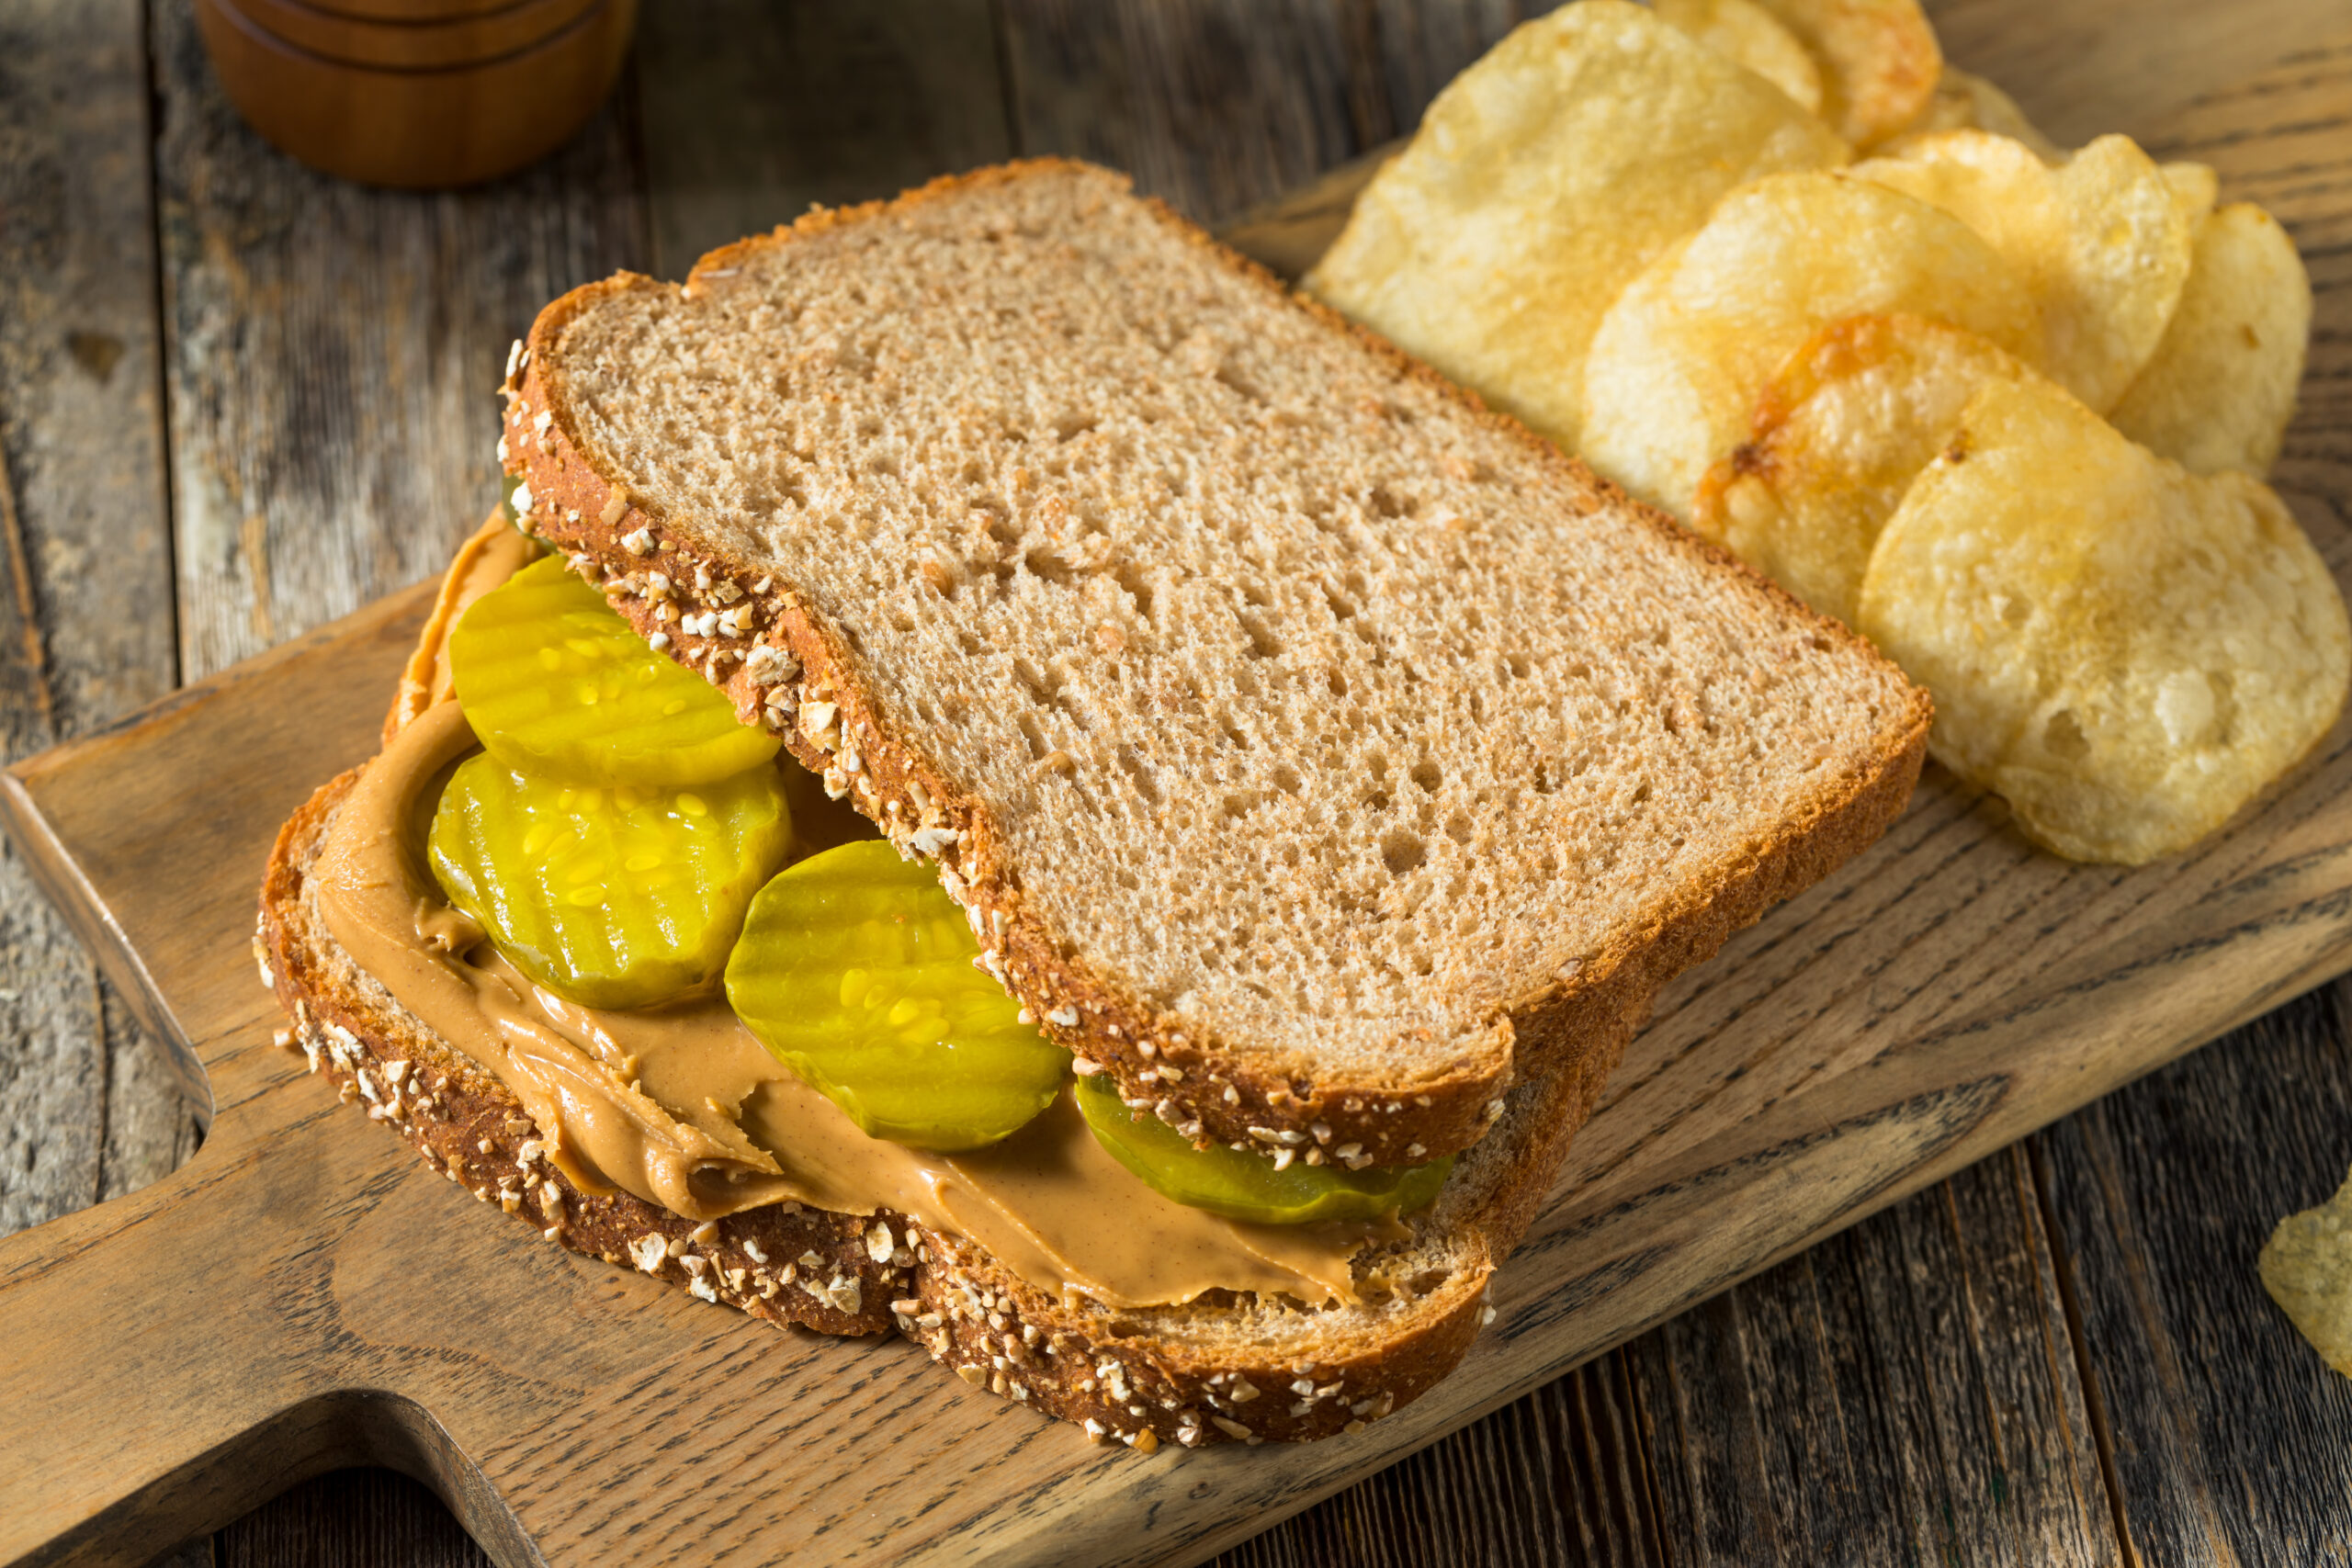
(169, 1367)
(121, 1436)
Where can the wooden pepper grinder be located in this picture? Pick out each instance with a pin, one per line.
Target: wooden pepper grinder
(421, 94)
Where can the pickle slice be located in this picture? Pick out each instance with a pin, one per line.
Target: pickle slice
(857, 971)
(553, 679)
(615, 895)
(1243, 1186)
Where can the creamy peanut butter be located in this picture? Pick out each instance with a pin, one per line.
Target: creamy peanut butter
(680, 1105)
(494, 552)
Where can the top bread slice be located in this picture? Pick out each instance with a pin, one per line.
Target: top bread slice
(1312, 748)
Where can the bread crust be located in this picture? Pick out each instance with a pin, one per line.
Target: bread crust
(808, 690)
(790, 1264)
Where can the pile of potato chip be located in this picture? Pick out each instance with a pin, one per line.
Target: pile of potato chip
(1773, 268)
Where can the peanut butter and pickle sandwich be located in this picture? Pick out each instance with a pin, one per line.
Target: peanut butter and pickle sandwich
(1050, 795)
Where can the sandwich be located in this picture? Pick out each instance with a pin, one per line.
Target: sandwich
(1013, 782)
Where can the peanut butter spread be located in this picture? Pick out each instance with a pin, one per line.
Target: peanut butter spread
(494, 552)
(682, 1107)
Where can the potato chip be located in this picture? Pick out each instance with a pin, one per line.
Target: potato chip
(1840, 432)
(1745, 33)
(2195, 187)
(1674, 372)
(2126, 652)
(2307, 1267)
(2220, 388)
(1543, 179)
(1963, 101)
(1879, 61)
(2099, 239)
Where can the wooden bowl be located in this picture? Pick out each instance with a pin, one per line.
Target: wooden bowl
(418, 129)
(413, 10)
(414, 45)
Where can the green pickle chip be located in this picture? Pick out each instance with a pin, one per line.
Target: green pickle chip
(615, 895)
(553, 679)
(855, 970)
(1242, 1185)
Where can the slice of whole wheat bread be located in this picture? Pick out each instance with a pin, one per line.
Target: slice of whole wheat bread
(1194, 1374)
(1316, 750)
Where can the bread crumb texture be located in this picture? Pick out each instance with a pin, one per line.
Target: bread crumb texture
(1300, 711)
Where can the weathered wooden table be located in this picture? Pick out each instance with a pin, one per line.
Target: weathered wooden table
(237, 401)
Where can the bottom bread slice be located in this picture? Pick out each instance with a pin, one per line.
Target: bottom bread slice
(1222, 1367)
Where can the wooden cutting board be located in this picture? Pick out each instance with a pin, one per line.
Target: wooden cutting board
(306, 1294)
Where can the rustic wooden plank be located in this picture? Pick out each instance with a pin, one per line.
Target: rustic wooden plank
(331, 353)
(1558, 1477)
(2231, 1441)
(1421, 47)
(1216, 105)
(87, 1106)
(53, 1064)
(2088, 67)
(1907, 1390)
(90, 1106)
(752, 111)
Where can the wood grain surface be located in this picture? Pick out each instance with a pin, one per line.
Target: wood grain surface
(1799, 1416)
(87, 1110)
